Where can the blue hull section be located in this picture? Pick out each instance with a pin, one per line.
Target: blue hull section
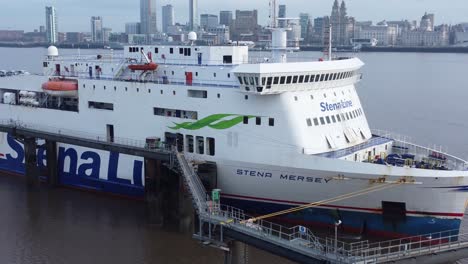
(353, 221)
(83, 182)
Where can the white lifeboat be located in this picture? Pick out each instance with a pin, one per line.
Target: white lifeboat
(61, 87)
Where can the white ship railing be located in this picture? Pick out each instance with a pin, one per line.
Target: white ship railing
(405, 143)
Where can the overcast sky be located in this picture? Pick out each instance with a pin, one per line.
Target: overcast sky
(74, 15)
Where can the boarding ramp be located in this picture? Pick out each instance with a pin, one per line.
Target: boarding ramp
(300, 244)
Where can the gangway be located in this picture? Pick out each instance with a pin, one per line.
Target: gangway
(295, 243)
(301, 245)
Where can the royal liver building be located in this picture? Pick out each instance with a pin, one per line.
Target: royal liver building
(342, 25)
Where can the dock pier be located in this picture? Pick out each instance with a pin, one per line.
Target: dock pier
(225, 227)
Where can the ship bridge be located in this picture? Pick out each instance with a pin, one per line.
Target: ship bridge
(276, 78)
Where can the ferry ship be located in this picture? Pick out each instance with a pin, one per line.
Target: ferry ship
(282, 134)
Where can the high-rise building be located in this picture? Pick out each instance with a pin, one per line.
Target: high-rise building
(304, 20)
(42, 29)
(208, 21)
(132, 28)
(282, 14)
(51, 25)
(96, 29)
(245, 25)
(148, 17)
(342, 25)
(193, 14)
(106, 33)
(167, 17)
(320, 28)
(225, 18)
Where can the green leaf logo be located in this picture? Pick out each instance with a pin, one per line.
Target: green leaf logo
(218, 122)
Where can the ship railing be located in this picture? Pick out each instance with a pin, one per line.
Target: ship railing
(438, 153)
(392, 250)
(135, 143)
(374, 141)
(105, 57)
(154, 80)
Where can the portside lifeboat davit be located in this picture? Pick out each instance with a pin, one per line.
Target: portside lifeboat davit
(143, 67)
(61, 87)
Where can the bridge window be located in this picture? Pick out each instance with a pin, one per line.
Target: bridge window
(333, 119)
(317, 77)
(316, 122)
(276, 80)
(338, 118)
(240, 80)
(258, 121)
(327, 76)
(100, 105)
(246, 120)
(322, 77)
(328, 120)
(181, 50)
(156, 50)
(288, 79)
(227, 59)
(283, 80)
(171, 50)
(322, 121)
(306, 79)
(309, 122)
(295, 79)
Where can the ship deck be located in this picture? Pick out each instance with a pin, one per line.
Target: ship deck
(402, 154)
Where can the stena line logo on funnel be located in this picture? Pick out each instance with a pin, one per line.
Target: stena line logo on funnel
(326, 107)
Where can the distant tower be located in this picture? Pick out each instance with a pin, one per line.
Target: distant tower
(148, 17)
(343, 24)
(96, 29)
(282, 14)
(193, 14)
(167, 17)
(51, 25)
(335, 21)
(225, 18)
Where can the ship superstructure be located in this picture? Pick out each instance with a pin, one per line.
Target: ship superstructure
(281, 134)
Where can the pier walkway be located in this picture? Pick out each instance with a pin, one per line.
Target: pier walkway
(218, 223)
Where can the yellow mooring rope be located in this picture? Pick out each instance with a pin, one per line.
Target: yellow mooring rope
(327, 201)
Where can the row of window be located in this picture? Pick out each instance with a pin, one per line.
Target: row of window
(196, 74)
(334, 118)
(175, 113)
(190, 93)
(258, 120)
(198, 145)
(268, 81)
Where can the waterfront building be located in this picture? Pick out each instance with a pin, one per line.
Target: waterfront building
(148, 18)
(304, 20)
(342, 24)
(208, 21)
(417, 38)
(11, 35)
(222, 33)
(225, 18)
(193, 15)
(320, 28)
(132, 28)
(282, 14)
(51, 25)
(384, 34)
(74, 37)
(245, 25)
(167, 17)
(106, 33)
(96, 29)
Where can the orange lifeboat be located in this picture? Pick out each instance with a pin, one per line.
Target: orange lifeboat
(61, 88)
(143, 67)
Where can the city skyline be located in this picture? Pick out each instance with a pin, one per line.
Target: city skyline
(74, 15)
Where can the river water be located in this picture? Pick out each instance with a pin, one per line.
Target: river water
(423, 96)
